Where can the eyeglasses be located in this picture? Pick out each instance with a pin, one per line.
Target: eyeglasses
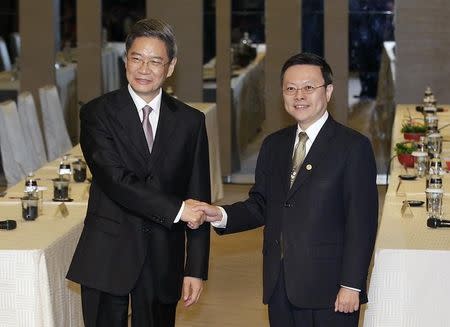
(154, 63)
(307, 89)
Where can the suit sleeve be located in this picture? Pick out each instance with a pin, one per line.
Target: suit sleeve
(120, 184)
(197, 252)
(361, 212)
(250, 214)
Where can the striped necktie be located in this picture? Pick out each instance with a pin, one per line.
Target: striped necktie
(299, 156)
(147, 127)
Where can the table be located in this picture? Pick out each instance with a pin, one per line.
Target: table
(409, 282)
(34, 260)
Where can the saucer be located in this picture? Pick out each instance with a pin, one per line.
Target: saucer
(407, 177)
(65, 200)
(415, 203)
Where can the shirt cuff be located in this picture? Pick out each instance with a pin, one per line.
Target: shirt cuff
(223, 222)
(178, 217)
(351, 288)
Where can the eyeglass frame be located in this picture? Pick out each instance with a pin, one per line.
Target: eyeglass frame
(150, 63)
(302, 89)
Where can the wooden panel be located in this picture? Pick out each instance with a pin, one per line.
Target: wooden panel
(37, 59)
(89, 49)
(186, 18)
(422, 49)
(283, 39)
(223, 82)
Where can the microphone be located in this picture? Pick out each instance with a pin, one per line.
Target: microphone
(8, 224)
(435, 223)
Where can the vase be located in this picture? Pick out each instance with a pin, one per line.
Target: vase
(413, 136)
(406, 159)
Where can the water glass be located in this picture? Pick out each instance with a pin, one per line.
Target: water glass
(30, 207)
(420, 163)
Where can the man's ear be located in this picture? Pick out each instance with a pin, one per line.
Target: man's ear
(171, 67)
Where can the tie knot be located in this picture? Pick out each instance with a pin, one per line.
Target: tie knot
(302, 137)
(147, 110)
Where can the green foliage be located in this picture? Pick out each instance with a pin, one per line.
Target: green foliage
(410, 127)
(405, 147)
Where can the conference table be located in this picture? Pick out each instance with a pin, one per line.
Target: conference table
(409, 282)
(34, 258)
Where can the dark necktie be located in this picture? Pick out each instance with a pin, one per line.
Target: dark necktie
(147, 127)
(299, 156)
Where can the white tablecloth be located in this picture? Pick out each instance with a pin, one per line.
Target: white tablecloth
(34, 259)
(409, 283)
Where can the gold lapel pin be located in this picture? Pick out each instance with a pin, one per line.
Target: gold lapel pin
(308, 167)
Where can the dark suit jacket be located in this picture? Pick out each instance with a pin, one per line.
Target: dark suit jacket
(328, 218)
(135, 196)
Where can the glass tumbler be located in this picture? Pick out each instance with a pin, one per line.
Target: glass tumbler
(420, 163)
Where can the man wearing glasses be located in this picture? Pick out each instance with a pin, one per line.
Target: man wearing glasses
(147, 152)
(315, 192)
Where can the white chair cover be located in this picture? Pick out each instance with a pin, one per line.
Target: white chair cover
(4, 55)
(31, 128)
(110, 70)
(55, 131)
(17, 160)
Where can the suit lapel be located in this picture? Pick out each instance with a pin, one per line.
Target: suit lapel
(166, 127)
(127, 117)
(315, 155)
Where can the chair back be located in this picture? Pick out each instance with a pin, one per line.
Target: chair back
(31, 127)
(4, 55)
(17, 160)
(57, 140)
(15, 46)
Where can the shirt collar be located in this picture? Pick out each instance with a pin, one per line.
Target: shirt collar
(140, 103)
(313, 130)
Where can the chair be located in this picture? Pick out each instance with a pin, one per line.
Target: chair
(4, 55)
(15, 46)
(57, 139)
(31, 128)
(17, 160)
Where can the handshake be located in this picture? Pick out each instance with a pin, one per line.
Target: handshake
(196, 213)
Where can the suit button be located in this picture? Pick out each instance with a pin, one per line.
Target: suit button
(288, 205)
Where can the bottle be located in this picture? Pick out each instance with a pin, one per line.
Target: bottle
(422, 145)
(31, 186)
(64, 169)
(435, 173)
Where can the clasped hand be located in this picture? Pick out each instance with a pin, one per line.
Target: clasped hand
(196, 213)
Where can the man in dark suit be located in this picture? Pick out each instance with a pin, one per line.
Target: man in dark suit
(147, 152)
(315, 192)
